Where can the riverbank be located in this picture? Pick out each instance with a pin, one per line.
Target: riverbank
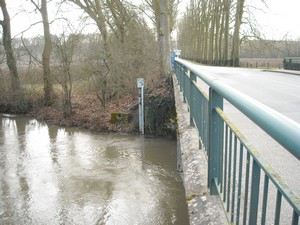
(87, 111)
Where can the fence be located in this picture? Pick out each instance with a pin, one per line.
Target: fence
(265, 63)
(235, 168)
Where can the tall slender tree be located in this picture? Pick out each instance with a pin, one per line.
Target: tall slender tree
(164, 17)
(226, 14)
(235, 53)
(48, 81)
(164, 38)
(7, 43)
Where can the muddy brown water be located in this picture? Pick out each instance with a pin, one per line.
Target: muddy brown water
(55, 175)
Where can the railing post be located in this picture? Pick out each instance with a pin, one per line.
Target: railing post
(191, 103)
(180, 78)
(215, 137)
(183, 83)
(254, 193)
(177, 72)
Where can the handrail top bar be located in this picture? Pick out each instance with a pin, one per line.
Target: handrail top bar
(283, 129)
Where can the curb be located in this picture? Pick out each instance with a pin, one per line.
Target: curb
(291, 72)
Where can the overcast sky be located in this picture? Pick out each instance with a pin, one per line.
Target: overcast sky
(282, 17)
(279, 19)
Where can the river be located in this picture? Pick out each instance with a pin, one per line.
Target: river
(55, 175)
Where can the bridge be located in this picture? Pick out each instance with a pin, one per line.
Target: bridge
(227, 180)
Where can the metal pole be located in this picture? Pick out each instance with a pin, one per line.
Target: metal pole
(140, 85)
(142, 109)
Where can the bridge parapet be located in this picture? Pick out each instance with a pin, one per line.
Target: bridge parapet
(235, 167)
(203, 208)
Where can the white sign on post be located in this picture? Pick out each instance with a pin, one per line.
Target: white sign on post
(140, 85)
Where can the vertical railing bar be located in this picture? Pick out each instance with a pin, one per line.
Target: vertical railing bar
(265, 200)
(255, 183)
(239, 184)
(278, 208)
(233, 179)
(246, 189)
(225, 164)
(215, 103)
(198, 114)
(229, 171)
(181, 78)
(221, 141)
(192, 97)
(203, 124)
(295, 220)
(183, 83)
(202, 118)
(222, 159)
(206, 127)
(188, 85)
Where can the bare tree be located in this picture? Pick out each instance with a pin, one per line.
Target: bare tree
(118, 17)
(164, 37)
(7, 43)
(95, 10)
(226, 13)
(65, 47)
(48, 81)
(164, 17)
(235, 53)
(205, 31)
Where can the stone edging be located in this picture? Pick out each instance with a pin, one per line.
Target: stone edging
(192, 163)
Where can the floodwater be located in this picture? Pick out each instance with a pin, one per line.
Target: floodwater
(55, 175)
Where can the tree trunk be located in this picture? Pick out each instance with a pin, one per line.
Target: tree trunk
(48, 83)
(227, 6)
(10, 58)
(212, 17)
(164, 38)
(235, 54)
(218, 34)
(221, 36)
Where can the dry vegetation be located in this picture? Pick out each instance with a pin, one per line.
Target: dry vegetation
(264, 63)
(72, 78)
(91, 76)
(88, 113)
(87, 110)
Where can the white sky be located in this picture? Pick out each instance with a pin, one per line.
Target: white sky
(279, 19)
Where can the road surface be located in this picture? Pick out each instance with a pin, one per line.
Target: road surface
(279, 91)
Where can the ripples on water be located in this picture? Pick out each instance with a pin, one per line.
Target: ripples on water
(52, 175)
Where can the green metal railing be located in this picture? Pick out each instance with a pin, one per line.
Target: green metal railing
(236, 171)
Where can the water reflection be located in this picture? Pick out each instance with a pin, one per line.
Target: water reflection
(52, 175)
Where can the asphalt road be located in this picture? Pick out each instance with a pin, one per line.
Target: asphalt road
(280, 91)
